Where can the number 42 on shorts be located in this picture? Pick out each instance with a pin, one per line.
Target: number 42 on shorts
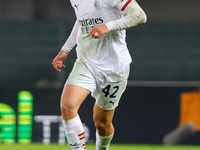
(107, 89)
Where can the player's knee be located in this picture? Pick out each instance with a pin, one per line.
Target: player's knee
(102, 125)
(67, 108)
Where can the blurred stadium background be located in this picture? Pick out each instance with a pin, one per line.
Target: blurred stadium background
(162, 93)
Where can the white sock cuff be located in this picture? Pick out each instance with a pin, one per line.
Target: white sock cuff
(72, 122)
(103, 142)
(105, 137)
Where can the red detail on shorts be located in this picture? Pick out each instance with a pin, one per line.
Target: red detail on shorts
(125, 5)
(81, 134)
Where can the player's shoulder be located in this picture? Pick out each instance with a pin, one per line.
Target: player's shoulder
(115, 3)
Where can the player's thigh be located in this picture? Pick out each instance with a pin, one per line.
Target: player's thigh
(71, 99)
(73, 96)
(79, 84)
(101, 116)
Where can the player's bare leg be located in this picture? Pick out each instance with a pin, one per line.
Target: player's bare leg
(71, 99)
(105, 130)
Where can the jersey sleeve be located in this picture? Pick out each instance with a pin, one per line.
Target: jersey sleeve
(133, 15)
(71, 41)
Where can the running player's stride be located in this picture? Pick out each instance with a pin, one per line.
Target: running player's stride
(101, 68)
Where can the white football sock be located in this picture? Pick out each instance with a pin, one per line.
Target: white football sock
(103, 142)
(75, 133)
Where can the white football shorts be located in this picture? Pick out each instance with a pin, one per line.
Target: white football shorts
(106, 88)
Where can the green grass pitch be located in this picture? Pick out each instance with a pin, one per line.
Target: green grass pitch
(92, 147)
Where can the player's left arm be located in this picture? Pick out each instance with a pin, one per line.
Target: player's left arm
(134, 15)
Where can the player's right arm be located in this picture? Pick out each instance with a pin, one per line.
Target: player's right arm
(71, 41)
(58, 60)
(66, 48)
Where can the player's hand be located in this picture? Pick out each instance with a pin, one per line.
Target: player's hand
(58, 65)
(99, 30)
(58, 61)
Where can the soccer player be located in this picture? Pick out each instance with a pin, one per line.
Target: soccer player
(101, 68)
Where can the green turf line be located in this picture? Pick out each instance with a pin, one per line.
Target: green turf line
(92, 147)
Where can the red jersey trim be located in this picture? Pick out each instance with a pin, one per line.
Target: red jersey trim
(125, 5)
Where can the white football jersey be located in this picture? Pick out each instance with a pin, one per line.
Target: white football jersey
(109, 52)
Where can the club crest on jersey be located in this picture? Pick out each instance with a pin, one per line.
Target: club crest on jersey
(96, 4)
